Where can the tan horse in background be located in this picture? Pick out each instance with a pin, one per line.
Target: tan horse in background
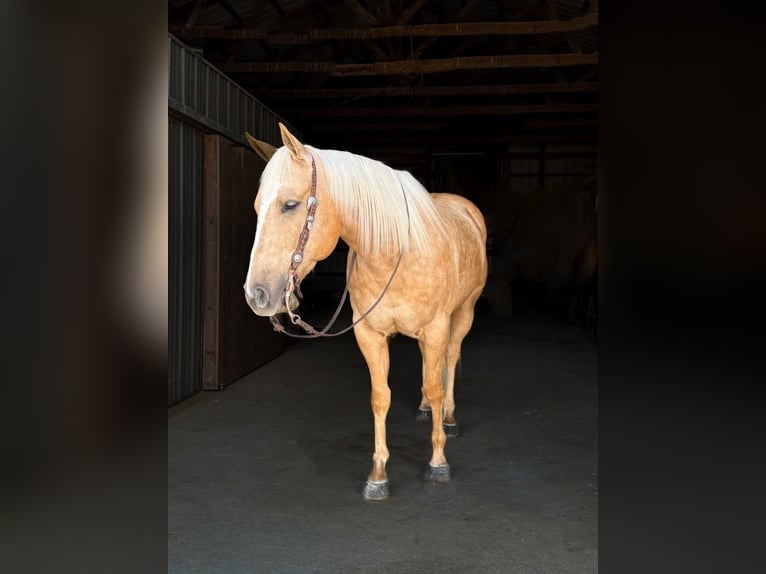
(421, 257)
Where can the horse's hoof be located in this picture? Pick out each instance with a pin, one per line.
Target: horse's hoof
(424, 414)
(450, 430)
(438, 473)
(375, 490)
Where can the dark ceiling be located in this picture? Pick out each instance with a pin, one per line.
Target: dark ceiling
(424, 74)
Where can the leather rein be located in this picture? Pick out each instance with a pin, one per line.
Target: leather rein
(293, 284)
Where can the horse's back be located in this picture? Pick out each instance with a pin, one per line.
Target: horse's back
(456, 209)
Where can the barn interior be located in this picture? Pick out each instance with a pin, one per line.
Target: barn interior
(270, 437)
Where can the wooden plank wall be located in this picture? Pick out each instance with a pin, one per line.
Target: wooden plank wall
(236, 340)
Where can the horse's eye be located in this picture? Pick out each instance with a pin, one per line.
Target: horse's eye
(289, 205)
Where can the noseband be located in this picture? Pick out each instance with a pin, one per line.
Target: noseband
(293, 285)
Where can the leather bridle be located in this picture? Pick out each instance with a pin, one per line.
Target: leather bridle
(292, 284)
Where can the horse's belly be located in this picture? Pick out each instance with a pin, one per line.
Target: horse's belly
(397, 314)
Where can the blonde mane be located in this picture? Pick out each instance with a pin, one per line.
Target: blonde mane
(373, 195)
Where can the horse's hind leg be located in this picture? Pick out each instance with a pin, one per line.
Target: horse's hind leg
(374, 347)
(460, 325)
(424, 410)
(433, 346)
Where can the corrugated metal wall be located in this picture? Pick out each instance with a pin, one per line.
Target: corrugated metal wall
(201, 93)
(186, 163)
(200, 100)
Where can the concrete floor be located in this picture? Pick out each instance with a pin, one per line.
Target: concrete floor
(266, 476)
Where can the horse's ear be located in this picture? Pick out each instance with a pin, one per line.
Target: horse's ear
(296, 148)
(263, 149)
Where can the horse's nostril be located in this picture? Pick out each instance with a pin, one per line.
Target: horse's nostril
(261, 297)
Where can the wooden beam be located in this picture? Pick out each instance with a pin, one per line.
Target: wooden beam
(229, 9)
(442, 111)
(366, 15)
(493, 28)
(587, 75)
(380, 126)
(417, 66)
(561, 124)
(553, 154)
(327, 8)
(556, 71)
(553, 14)
(277, 8)
(524, 9)
(379, 33)
(198, 5)
(428, 91)
(461, 47)
(377, 50)
(465, 11)
(439, 139)
(573, 44)
(411, 10)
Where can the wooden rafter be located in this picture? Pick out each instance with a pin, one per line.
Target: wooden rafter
(229, 9)
(198, 6)
(446, 111)
(277, 8)
(523, 9)
(553, 14)
(328, 8)
(417, 66)
(462, 47)
(422, 30)
(587, 75)
(381, 126)
(465, 12)
(428, 91)
(365, 14)
(573, 44)
(556, 71)
(377, 50)
(356, 139)
(561, 123)
(410, 11)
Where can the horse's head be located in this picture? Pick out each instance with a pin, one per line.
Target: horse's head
(282, 208)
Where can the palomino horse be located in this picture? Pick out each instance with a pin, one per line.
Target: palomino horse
(417, 266)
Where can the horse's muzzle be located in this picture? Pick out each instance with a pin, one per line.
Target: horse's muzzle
(267, 302)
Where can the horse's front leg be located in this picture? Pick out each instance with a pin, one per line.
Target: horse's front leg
(374, 347)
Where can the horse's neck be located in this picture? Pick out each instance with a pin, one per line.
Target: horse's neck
(373, 262)
(350, 235)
